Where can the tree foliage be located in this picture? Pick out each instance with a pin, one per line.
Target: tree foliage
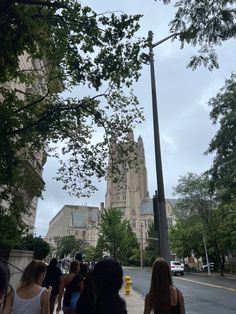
(115, 235)
(67, 45)
(223, 112)
(69, 245)
(90, 253)
(36, 244)
(204, 24)
(152, 250)
(186, 237)
(196, 200)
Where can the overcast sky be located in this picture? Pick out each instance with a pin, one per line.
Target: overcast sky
(185, 127)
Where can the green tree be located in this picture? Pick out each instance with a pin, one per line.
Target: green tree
(204, 24)
(78, 47)
(36, 244)
(115, 235)
(90, 253)
(223, 112)
(187, 237)
(69, 245)
(152, 250)
(196, 200)
(69, 48)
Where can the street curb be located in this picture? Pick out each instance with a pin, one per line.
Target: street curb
(212, 276)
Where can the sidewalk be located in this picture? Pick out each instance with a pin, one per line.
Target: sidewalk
(134, 302)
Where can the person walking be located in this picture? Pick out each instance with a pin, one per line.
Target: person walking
(73, 285)
(4, 284)
(108, 279)
(30, 297)
(83, 267)
(163, 297)
(53, 278)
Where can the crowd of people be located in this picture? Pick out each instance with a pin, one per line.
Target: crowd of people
(84, 290)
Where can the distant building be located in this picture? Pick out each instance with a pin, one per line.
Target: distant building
(130, 193)
(147, 216)
(131, 188)
(80, 221)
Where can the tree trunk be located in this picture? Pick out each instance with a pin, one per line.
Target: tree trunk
(221, 266)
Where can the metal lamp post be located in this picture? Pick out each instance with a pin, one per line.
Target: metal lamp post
(163, 227)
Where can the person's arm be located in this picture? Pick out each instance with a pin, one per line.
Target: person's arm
(8, 303)
(146, 306)
(60, 294)
(81, 287)
(181, 302)
(45, 301)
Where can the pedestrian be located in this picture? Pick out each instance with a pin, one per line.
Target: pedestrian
(73, 285)
(4, 284)
(86, 302)
(83, 267)
(163, 297)
(108, 279)
(53, 278)
(30, 297)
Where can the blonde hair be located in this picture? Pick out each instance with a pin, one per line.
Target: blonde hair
(32, 272)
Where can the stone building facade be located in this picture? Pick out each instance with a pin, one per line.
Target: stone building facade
(131, 195)
(80, 221)
(131, 188)
(29, 161)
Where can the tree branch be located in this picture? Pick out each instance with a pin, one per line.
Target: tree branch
(54, 4)
(5, 4)
(47, 115)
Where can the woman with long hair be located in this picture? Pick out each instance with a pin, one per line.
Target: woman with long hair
(108, 279)
(53, 278)
(163, 297)
(30, 297)
(73, 285)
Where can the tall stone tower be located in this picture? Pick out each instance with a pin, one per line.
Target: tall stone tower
(131, 186)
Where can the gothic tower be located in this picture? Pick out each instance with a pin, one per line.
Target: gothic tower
(131, 187)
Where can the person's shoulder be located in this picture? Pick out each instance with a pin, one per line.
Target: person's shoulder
(179, 292)
(46, 293)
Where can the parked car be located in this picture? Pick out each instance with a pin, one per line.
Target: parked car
(212, 267)
(177, 268)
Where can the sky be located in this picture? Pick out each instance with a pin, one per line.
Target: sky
(182, 96)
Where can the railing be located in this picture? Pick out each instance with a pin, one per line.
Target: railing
(8, 263)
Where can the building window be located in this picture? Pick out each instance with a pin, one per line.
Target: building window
(76, 232)
(133, 223)
(170, 221)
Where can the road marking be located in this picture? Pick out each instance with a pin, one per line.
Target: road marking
(207, 284)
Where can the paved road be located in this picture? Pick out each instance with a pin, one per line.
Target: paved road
(202, 294)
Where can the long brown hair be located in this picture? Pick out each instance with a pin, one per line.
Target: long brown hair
(32, 272)
(159, 293)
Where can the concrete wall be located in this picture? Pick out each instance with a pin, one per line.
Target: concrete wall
(17, 258)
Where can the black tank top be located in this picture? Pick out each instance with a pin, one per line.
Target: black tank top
(175, 309)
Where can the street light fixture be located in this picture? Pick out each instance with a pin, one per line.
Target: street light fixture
(163, 232)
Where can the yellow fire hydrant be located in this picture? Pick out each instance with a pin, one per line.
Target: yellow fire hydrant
(128, 284)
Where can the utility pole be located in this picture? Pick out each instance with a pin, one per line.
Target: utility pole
(141, 245)
(163, 227)
(206, 254)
